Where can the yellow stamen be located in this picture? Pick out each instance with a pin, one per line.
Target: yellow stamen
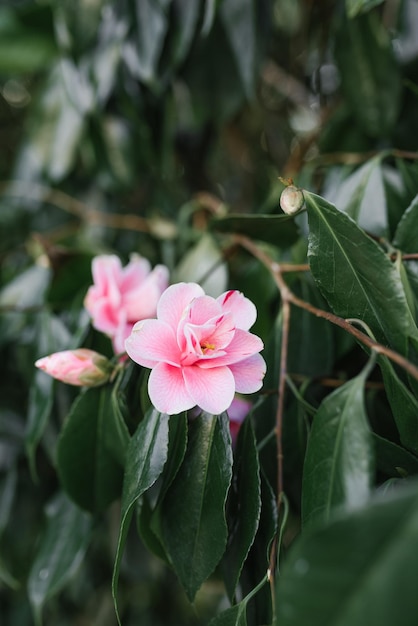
(207, 346)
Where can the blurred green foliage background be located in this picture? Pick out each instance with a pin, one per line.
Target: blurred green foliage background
(125, 126)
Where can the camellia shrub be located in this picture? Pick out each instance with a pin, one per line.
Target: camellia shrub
(208, 313)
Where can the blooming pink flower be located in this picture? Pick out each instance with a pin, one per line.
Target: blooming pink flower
(237, 412)
(120, 296)
(80, 367)
(199, 350)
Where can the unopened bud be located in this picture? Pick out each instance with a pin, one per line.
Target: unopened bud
(81, 367)
(292, 200)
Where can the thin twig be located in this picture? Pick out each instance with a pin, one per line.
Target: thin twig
(287, 295)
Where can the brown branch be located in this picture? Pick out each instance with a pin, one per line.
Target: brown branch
(287, 295)
(67, 203)
(333, 382)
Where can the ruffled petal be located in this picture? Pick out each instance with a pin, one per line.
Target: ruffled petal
(243, 345)
(151, 342)
(211, 389)
(134, 273)
(141, 302)
(175, 300)
(167, 390)
(249, 374)
(242, 309)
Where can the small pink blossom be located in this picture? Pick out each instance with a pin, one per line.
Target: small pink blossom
(199, 350)
(80, 367)
(120, 296)
(237, 412)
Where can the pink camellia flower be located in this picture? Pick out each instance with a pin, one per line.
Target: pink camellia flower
(120, 296)
(237, 412)
(80, 367)
(199, 350)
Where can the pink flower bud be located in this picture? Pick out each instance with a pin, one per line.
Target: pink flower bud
(80, 367)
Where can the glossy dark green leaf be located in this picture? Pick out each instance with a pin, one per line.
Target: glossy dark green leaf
(403, 403)
(354, 7)
(194, 529)
(87, 464)
(61, 550)
(339, 463)
(356, 276)
(146, 457)
(280, 230)
(243, 506)
(405, 237)
(369, 73)
(238, 19)
(361, 568)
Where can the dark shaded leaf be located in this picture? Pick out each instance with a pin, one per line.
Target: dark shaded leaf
(193, 516)
(358, 569)
(87, 464)
(339, 463)
(243, 506)
(146, 457)
(394, 460)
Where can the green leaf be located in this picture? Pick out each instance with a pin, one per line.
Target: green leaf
(405, 237)
(87, 463)
(193, 516)
(358, 569)
(356, 276)
(355, 7)
(61, 550)
(279, 230)
(8, 484)
(403, 403)
(243, 506)
(370, 76)
(238, 19)
(146, 457)
(339, 463)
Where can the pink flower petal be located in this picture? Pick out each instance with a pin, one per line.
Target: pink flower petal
(243, 345)
(141, 302)
(203, 309)
(242, 309)
(211, 389)
(167, 390)
(152, 341)
(249, 374)
(175, 300)
(135, 272)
